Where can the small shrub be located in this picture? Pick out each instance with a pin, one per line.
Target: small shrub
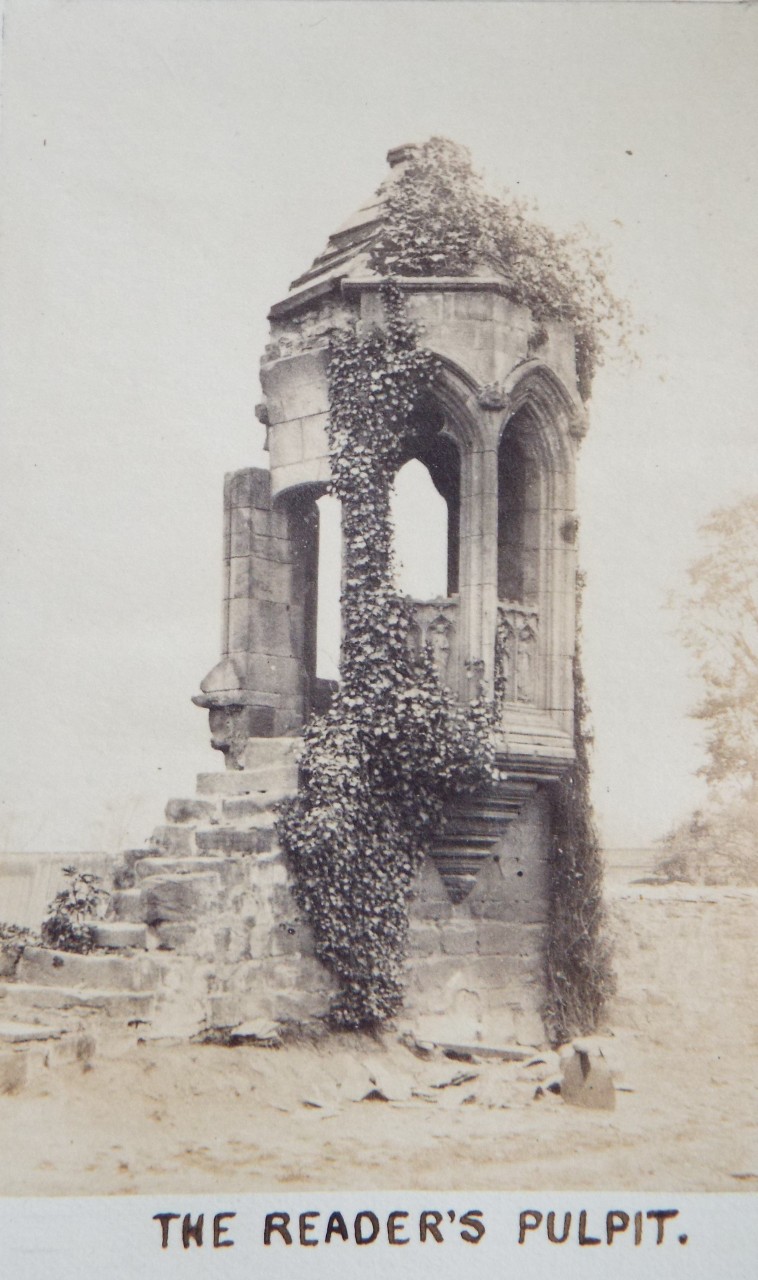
(13, 939)
(68, 927)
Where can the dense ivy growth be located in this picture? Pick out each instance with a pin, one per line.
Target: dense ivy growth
(394, 745)
(440, 221)
(579, 974)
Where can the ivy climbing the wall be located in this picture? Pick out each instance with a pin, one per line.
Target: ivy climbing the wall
(394, 745)
(580, 978)
(440, 221)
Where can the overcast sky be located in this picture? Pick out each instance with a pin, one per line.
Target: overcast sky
(168, 167)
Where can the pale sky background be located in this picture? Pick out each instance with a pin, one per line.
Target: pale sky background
(168, 167)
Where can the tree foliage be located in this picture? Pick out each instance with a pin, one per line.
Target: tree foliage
(720, 627)
(719, 611)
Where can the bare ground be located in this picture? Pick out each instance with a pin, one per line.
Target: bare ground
(683, 1044)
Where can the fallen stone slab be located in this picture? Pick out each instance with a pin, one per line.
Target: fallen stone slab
(505, 1053)
(462, 1077)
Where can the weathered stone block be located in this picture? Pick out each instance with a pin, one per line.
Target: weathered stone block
(179, 898)
(495, 937)
(279, 779)
(292, 938)
(228, 840)
(119, 1004)
(42, 967)
(458, 938)
(231, 1009)
(423, 938)
(271, 524)
(240, 531)
(227, 868)
(430, 899)
(232, 783)
(295, 387)
(173, 839)
(269, 628)
(250, 487)
(433, 977)
(239, 612)
(286, 443)
(177, 937)
(272, 579)
(240, 577)
(125, 904)
(255, 811)
(121, 934)
(189, 810)
(273, 672)
(275, 751)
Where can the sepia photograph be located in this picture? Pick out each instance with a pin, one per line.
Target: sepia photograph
(379, 802)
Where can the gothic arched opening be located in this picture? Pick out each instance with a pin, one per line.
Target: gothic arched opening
(518, 563)
(439, 463)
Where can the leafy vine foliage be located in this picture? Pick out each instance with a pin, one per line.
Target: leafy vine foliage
(579, 974)
(440, 221)
(394, 745)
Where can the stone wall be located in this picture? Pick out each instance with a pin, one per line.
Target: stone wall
(476, 970)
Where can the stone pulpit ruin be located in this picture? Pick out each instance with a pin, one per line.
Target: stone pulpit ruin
(205, 914)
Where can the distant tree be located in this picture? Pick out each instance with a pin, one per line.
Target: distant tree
(720, 627)
(719, 612)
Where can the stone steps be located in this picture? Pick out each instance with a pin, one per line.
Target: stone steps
(39, 966)
(164, 901)
(12, 1033)
(179, 898)
(121, 935)
(173, 838)
(179, 867)
(178, 811)
(20, 997)
(254, 811)
(258, 839)
(124, 907)
(281, 779)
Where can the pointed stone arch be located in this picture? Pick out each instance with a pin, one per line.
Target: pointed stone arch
(536, 557)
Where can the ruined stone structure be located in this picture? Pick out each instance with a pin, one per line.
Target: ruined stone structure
(203, 917)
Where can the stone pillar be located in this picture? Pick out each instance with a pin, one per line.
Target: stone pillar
(258, 689)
